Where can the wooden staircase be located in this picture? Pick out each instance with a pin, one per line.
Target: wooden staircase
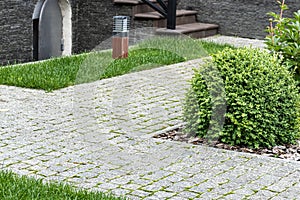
(186, 20)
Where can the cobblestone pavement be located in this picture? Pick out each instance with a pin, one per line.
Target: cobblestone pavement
(236, 41)
(99, 136)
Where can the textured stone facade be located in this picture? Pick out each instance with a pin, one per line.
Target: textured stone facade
(15, 26)
(95, 22)
(92, 22)
(244, 18)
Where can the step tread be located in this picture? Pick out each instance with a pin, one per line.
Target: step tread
(133, 2)
(156, 15)
(189, 28)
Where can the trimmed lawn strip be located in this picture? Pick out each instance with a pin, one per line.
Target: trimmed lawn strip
(13, 186)
(62, 72)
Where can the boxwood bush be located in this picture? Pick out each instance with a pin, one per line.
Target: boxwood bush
(261, 100)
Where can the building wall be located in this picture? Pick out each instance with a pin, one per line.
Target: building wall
(95, 22)
(16, 31)
(91, 24)
(244, 18)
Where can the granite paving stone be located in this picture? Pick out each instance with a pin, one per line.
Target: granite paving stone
(98, 136)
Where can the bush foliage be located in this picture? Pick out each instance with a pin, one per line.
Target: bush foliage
(261, 100)
(284, 38)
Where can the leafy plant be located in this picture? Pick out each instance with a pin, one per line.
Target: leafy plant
(261, 100)
(284, 38)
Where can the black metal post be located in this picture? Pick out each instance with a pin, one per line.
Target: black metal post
(171, 14)
(163, 5)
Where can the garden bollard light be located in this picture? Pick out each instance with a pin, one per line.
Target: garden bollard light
(120, 38)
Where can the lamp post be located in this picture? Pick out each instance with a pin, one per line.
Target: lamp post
(120, 38)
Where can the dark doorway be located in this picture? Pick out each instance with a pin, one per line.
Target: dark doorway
(47, 30)
(36, 39)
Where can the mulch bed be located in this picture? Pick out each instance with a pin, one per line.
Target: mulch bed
(290, 152)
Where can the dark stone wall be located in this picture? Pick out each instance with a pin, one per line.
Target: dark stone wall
(16, 31)
(91, 24)
(244, 18)
(95, 22)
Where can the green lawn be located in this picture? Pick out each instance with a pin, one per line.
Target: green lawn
(61, 72)
(15, 187)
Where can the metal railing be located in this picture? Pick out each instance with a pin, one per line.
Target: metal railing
(167, 10)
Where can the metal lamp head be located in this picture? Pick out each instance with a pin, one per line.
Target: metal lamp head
(121, 24)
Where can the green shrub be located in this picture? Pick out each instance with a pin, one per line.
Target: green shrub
(284, 38)
(261, 100)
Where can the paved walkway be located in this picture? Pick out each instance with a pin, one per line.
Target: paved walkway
(99, 136)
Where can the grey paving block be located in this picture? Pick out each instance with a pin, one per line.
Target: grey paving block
(109, 186)
(188, 194)
(163, 194)
(141, 193)
(153, 187)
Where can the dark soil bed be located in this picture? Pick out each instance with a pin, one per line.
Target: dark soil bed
(291, 152)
